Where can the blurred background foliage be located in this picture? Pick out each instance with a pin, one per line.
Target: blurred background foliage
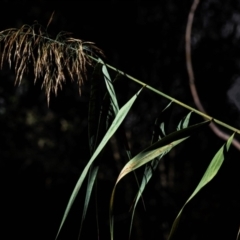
(44, 149)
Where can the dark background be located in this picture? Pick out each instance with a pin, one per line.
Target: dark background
(44, 149)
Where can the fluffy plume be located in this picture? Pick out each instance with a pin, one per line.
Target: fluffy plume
(53, 60)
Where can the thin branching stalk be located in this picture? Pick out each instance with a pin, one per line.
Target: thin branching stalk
(204, 115)
(52, 59)
(191, 77)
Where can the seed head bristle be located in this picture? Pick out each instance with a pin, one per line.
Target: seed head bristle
(52, 60)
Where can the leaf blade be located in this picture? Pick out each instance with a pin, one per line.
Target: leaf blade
(167, 143)
(209, 174)
(149, 169)
(133, 165)
(114, 126)
(110, 87)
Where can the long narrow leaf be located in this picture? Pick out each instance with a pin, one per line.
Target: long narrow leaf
(91, 179)
(115, 106)
(145, 157)
(210, 173)
(161, 147)
(136, 162)
(114, 126)
(150, 168)
(110, 88)
(109, 110)
(97, 120)
(238, 235)
(93, 133)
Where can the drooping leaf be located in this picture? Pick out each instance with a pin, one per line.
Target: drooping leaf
(115, 107)
(139, 160)
(93, 132)
(209, 174)
(159, 148)
(114, 126)
(145, 157)
(151, 167)
(98, 123)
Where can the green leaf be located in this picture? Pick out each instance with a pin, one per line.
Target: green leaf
(136, 162)
(98, 123)
(110, 88)
(209, 174)
(146, 156)
(91, 179)
(94, 122)
(159, 148)
(184, 123)
(150, 168)
(114, 126)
